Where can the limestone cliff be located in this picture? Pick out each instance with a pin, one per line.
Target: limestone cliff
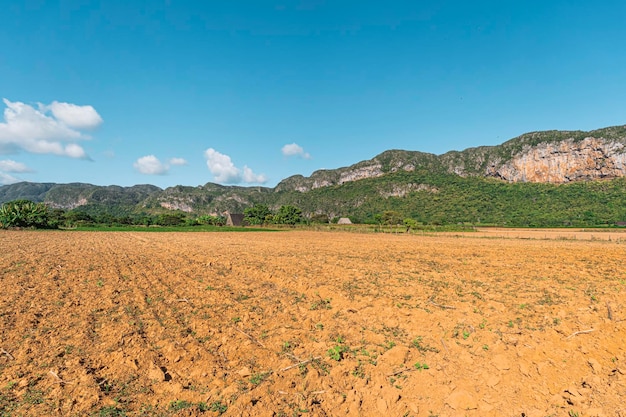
(550, 157)
(385, 163)
(566, 161)
(542, 157)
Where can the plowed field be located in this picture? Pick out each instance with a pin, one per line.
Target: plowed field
(310, 323)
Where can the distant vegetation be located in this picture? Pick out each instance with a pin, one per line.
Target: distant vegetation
(451, 199)
(25, 213)
(401, 188)
(430, 199)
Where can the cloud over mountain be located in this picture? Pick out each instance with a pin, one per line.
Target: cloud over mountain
(293, 149)
(224, 170)
(48, 129)
(151, 165)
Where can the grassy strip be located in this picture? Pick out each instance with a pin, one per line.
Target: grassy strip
(103, 228)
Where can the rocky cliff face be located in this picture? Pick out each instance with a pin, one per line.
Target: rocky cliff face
(548, 157)
(368, 171)
(565, 161)
(385, 163)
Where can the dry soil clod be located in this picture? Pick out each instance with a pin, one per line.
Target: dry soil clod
(57, 379)
(250, 337)
(609, 311)
(580, 332)
(445, 307)
(300, 363)
(7, 354)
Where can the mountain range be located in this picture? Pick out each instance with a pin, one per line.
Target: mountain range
(538, 178)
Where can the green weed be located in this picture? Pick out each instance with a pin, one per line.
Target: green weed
(257, 378)
(420, 366)
(419, 345)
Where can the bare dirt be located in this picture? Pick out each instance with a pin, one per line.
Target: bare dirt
(310, 323)
(617, 235)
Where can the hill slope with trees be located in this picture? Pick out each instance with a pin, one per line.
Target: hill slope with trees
(552, 178)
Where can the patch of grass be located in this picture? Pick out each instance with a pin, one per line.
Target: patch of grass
(321, 304)
(178, 405)
(7, 403)
(546, 299)
(257, 378)
(242, 297)
(389, 344)
(420, 366)
(110, 411)
(320, 366)
(338, 351)
(33, 396)
(396, 331)
(204, 228)
(418, 343)
(359, 371)
(287, 347)
(218, 407)
(477, 295)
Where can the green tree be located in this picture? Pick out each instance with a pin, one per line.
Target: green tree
(257, 214)
(391, 218)
(74, 218)
(24, 213)
(171, 219)
(211, 220)
(410, 224)
(291, 215)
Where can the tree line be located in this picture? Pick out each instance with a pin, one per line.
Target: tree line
(28, 214)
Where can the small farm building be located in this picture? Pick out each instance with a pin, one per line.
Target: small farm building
(234, 219)
(344, 220)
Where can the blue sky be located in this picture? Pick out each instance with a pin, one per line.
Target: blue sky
(252, 92)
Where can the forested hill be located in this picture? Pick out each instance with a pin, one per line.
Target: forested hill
(548, 178)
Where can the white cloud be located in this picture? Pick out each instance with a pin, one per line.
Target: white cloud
(6, 179)
(9, 165)
(222, 167)
(293, 149)
(79, 117)
(224, 171)
(150, 165)
(178, 161)
(37, 131)
(251, 177)
(75, 151)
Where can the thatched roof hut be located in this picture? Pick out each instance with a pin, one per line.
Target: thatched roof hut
(234, 219)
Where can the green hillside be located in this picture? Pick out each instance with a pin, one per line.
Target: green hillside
(453, 188)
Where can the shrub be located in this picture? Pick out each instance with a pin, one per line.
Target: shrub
(25, 213)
